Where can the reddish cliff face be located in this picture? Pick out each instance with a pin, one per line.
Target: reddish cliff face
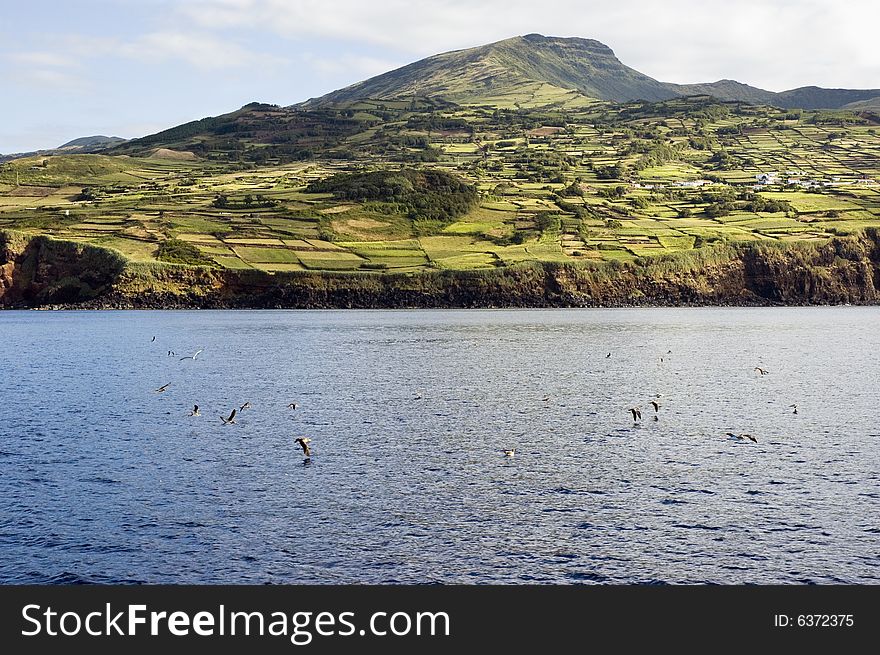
(39, 271)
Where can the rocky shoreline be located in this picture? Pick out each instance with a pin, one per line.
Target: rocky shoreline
(39, 272)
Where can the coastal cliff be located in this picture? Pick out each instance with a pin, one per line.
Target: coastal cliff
(43, 272)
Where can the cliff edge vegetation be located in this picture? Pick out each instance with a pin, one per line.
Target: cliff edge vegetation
(40, 272)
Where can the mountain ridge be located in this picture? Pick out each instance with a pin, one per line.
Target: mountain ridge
(81, 145)
(587, 66)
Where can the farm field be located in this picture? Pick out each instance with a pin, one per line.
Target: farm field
(564, 182)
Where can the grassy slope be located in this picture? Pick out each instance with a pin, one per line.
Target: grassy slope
(477, 74)
(520, 160)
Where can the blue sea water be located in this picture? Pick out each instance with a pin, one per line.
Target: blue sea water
(104, 480)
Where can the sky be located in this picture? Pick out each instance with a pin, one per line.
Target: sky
(133, 67)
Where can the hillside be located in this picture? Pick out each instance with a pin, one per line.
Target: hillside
(474, 75)
(534, 69)
(82, 145)
(814, 97)
(91, 143)
(520, 73)
(729, 90)
(536, 195)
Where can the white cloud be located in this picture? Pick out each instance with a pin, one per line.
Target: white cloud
(202, 51)
(349, 64)
(199, 49)
(775, 43)
(43, 59)
(47, 79)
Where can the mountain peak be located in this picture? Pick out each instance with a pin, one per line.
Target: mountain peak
(521, 69)
(540, 39)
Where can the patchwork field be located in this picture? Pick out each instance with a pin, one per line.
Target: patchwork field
(560, 182)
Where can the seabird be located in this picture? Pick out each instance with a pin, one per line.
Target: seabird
(304, 443)
(152, 340)
(171, 352)
(163, 387)
(608, 355)
(509, 453)
(291, 406)
(637, 413)
(193, 356)
(195, 411)
(656, 406)
(545, 399)
(231, 419)
(794, 407)
(247, 405)
(742, 437)
(761, 370)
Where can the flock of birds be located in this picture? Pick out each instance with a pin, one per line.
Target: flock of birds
(230, 420)
(636, 412)
(304, 442)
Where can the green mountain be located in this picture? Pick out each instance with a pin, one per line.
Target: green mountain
(523, 66)
(91, 143)
(535, 70)
(82, 145)
(814, 97)
(872, 105)
(726, 90)
(523, 72)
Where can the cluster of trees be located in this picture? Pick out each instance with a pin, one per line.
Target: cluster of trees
(541, 165)
(222, 201)
(572, 190)
(612, 193)
(420, 194)
(402, 147)
(612, 172)
(432, 122)
(722, 203)
(657, 155)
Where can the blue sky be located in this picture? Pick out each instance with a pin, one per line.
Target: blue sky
(133, 67)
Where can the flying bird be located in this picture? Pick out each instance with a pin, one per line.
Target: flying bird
(192, 356)
(247, 405)
(761, 370)
(291, 406)
(656, 406)
(171, 352)
(742, 437)
(509, 453)
(794, 407)
(152, 340)
(195, 411)
(608, 355)
(163, 387)
(304, 443)
(637, 413)
(231, 419)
